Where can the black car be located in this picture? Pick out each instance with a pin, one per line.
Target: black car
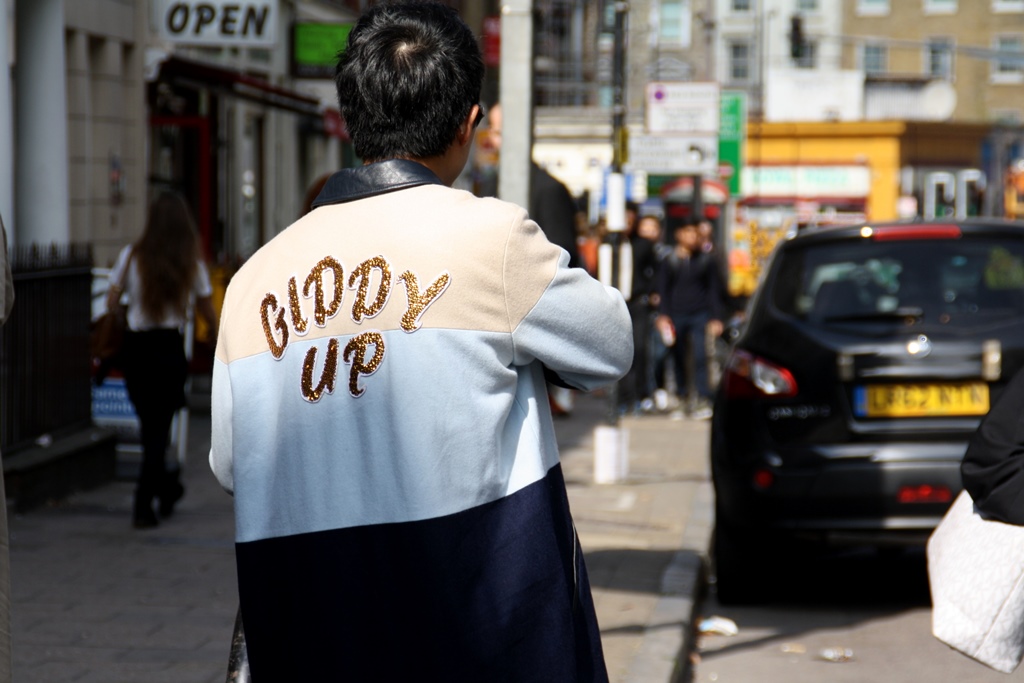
(868, 357)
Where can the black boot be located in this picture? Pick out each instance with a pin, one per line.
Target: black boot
(143, 516)
(170, 493)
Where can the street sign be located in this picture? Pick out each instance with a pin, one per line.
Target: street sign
(674, 154)
(683, 107)
(731, 137)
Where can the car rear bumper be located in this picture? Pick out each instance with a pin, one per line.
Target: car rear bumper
(841, 491)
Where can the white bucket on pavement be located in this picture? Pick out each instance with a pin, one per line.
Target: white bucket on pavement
(611, 454)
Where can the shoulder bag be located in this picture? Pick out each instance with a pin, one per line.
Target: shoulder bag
(108, 330)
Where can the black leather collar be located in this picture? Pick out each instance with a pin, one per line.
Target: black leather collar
(350, 184)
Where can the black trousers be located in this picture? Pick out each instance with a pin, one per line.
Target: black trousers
(634, 386)
(155, 369)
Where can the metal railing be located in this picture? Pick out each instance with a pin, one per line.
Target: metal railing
(44, 347)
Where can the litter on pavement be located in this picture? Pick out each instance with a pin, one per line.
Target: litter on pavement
(836, 654)
(719, 626)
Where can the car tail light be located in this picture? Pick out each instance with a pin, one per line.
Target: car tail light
(764, 478)
(924, 493)
(912, 232)
(750, 376)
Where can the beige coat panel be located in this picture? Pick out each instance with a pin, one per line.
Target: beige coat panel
(490, 263)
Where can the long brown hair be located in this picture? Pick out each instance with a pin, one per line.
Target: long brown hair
(166, 256)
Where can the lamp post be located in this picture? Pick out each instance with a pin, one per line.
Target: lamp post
(616, 195)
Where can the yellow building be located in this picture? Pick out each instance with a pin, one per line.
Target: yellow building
(835, 173)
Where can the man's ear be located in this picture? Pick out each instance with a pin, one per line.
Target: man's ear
(465, 133)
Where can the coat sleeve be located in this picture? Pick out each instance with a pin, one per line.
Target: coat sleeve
(221, 416)
(993, 466)
(7, 293)
(576, 327)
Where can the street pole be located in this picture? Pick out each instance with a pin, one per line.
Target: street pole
(616, 196)
(516, 97)
(611, 443)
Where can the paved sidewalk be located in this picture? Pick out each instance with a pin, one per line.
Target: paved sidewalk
(644, 539)
(95, 601)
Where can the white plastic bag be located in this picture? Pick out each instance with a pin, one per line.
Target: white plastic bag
(976, 574)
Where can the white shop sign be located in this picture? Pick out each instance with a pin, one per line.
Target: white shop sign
(668, 154)
(686, 107)
(807, 181)
(218, 22)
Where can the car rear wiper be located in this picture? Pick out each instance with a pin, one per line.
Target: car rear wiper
(882, 316)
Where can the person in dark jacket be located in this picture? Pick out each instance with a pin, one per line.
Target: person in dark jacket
(636, 386)
(993, 466)
(551, 204)
(690, 288)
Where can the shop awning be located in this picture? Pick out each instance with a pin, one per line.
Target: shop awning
(188, 73)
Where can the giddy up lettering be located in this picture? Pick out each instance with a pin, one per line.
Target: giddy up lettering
(364, 352)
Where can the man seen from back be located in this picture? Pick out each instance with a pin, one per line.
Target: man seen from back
(379, 405)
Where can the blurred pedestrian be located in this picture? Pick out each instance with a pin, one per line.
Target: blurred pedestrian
(991, 468)
(312, 192)
(707, 235)
(587, 243)
(552, 206)
(6, 304)
(656, 359)
(379, 406)
(690, 286)
(162, 276)
(636, 392)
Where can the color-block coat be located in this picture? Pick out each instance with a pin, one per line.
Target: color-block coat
(380, 413)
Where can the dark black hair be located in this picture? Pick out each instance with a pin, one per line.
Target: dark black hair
(407, 80)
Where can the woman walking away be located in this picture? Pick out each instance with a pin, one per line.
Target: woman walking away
(162, 276)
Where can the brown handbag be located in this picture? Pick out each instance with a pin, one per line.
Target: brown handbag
(108, 330)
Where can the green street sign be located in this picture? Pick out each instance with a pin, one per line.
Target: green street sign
(732, 134)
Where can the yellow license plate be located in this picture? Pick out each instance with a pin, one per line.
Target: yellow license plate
(921, 400)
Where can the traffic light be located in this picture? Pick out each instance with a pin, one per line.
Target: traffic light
(797, 40)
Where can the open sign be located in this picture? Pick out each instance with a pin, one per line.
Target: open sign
(218, 22)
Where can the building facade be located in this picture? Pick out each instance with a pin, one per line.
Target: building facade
(106, 102)
(974, 47)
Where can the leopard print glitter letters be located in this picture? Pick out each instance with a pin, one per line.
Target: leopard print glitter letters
(275, 318)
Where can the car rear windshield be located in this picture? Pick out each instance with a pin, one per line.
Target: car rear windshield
(959, 282)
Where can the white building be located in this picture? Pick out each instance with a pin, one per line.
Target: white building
(105, 102)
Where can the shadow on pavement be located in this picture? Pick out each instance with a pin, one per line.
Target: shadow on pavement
(833, 589)
(854, 576)
(629, 569)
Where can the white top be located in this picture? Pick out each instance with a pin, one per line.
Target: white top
(132, 294)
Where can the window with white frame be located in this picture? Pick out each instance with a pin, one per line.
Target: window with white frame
(741, 5)
(872, 8)
(608, 16)
(1007, 6)
(671, 22)
(1009, 70)
(739, 61)
(940, 6)
(874, 58)
(939, 58)
(807, 5)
